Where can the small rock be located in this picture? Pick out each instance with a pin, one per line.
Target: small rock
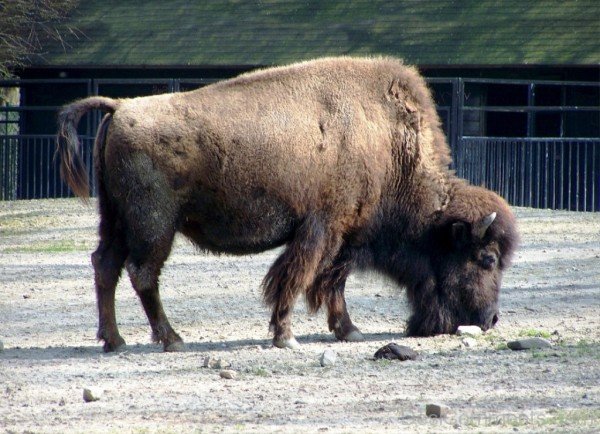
(393, 351)
(468, 330)
(328, 358)
(528, 344)
(469, 342)
(228, 374)
(91, 394)
(437, 410)
(209, 362)
(222, 364)
(1, 346)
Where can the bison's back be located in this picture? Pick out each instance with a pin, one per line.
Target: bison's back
(248, 158)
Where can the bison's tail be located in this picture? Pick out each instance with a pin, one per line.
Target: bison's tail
(72, 168)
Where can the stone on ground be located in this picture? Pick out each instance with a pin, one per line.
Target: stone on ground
(91, 394)
(228, 374)
(437, 410)
(328, 358)
(469, 330)
(528, 344)
(393, 351)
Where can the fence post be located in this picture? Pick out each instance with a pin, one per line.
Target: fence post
(530, 113)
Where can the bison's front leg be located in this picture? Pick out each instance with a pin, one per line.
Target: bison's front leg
(295, 271)
(339, 320)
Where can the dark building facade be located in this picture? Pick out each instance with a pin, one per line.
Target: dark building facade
(516, 83)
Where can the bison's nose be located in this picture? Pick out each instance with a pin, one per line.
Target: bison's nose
(486, 318)
(495, 319)
(490, 320)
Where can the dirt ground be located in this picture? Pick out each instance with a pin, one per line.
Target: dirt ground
(48, 326)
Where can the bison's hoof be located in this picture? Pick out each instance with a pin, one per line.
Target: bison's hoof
(290, 343)
(113, 346)
(174, 347)
(354, 336)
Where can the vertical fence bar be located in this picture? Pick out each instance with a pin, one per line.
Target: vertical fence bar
(585, 178)
(454, 115)
(460, 114)
(577, 186)
(530, 113)
(47, 176)
(570, 175)
(595, 179)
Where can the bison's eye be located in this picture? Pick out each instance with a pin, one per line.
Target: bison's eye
(488, 261)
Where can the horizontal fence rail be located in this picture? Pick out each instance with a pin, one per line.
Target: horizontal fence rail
(542, 172)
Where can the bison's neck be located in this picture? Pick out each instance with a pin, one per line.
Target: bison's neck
(415, 200)
(408, 213)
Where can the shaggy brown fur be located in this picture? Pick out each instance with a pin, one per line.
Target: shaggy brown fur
(343, 160)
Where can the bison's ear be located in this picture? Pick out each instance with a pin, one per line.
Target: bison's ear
(460, 234)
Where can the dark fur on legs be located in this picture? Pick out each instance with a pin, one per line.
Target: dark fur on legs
(329, 288)
(294, 272)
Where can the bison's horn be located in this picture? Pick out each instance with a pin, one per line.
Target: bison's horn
(480, 228)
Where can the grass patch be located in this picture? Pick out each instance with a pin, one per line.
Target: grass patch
(573, 418)
(260, 372)
(578, 418)
(60, 246)
(535, 333)
(383, 362)
(585, 348)
(541, 353)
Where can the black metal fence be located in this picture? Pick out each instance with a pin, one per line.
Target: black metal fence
(539, 173)
(537, 143)
(28, 169)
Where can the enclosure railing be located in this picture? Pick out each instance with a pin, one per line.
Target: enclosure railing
(540, 173)
(549, 172)
(28, 169)
(561, 171)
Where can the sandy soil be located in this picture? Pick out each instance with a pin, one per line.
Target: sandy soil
(48, 326)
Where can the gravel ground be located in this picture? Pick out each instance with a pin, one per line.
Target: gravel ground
(48, 318)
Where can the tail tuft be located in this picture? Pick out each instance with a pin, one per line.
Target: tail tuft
(72, 167)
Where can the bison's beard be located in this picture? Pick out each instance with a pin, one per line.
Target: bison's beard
(433, 321)
(432, 313)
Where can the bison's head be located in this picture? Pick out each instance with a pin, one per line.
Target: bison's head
(464, 266)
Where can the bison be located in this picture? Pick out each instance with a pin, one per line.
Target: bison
(340, 160)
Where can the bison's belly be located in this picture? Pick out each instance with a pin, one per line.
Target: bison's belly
(237, 225)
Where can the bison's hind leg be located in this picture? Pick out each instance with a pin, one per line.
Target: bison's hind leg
(150, 215)
(108, 262)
